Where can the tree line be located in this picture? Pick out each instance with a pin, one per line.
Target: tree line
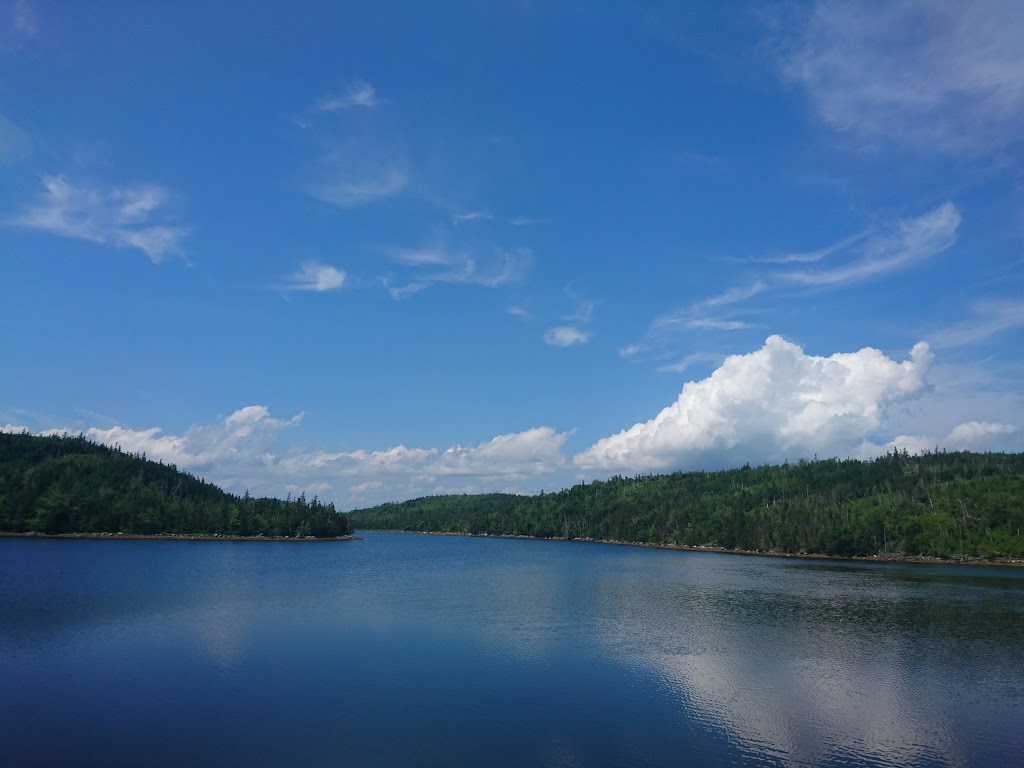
(69, 484)
(940, 504)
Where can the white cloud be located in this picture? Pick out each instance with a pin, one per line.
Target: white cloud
(13, 429)
(566, 336)
(314, 276)
(120, 216)
(913, 240)
(768, 405)
(572, 333)
(358, 94)
(938, 77)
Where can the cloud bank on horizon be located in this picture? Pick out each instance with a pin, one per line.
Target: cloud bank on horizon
(767, 406)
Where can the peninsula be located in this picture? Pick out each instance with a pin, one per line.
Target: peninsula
(68, 485)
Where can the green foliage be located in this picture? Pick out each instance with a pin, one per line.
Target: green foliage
(68, 484)
(937, 504)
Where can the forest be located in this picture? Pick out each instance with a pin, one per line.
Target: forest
(951, 505)
(68, 484)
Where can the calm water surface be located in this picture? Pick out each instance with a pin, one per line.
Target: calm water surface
(405, 650)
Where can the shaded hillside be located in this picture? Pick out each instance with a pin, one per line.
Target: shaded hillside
(71, 485)
(938, 504)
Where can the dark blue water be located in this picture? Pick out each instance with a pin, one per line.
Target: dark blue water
(406, 650)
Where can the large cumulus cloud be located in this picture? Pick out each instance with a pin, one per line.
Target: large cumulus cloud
(769, 405)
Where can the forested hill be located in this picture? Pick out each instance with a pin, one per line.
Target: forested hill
(71, 485)
(938, 504)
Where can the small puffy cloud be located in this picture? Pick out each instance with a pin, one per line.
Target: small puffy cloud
(913, 240)
(125, 217)
(939, 77)
(317, 277)
(573, 332)
(358, 94)
(768, 405)
(566, 336)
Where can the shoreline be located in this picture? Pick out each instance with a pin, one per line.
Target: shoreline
(883, 558)
(169, 536)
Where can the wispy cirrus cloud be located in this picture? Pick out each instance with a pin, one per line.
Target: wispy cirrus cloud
(125, 217)
(867, 255)
(440, 265)
(989, 318)
(913, 240)
(358, 94)
(695, 316)
(350, 187)
(356, 167)
(937, 77)
(315, 276)
(813, 256)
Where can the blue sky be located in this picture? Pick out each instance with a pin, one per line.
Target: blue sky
(378, 250)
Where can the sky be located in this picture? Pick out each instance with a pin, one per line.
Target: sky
(376, 250)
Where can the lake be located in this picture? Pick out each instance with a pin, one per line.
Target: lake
(407, 650)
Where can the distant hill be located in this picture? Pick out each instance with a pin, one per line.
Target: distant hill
(954, 505)
(68, 484)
